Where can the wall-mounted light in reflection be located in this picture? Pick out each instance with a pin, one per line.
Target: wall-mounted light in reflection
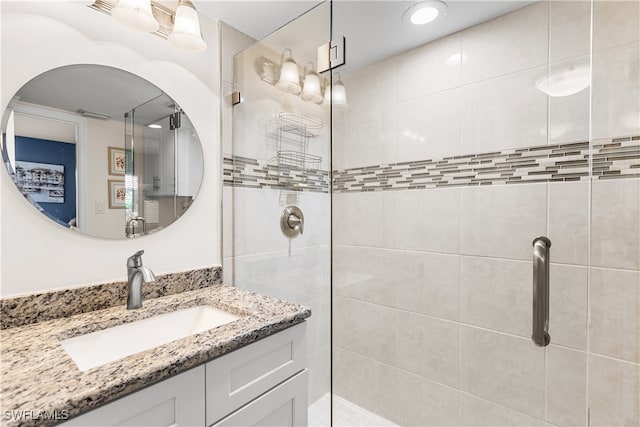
(565, 81)
(289, 80)
(311, 90)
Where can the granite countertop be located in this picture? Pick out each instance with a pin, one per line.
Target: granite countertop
(38, 375)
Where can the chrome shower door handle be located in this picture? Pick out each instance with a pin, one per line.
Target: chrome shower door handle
(540, 335)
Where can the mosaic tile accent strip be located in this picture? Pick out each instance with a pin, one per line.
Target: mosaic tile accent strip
(612, 158)
(251, 173)
(34, 308)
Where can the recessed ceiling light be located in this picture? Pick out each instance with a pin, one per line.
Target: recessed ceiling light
(424, 12)
(155, 126)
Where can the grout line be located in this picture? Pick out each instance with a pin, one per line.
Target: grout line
(472, 326)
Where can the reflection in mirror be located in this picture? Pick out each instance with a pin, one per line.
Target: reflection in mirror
(101, 151)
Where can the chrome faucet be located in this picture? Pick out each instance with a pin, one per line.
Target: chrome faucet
(137, 274)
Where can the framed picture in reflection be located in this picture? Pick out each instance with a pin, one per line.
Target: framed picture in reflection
(117, 194)
(117, 161)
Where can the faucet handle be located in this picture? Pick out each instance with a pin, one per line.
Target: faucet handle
(135, 260)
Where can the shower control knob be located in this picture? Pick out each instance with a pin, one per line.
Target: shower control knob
(292, 221)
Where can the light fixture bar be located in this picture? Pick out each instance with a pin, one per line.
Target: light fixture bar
(163, 15)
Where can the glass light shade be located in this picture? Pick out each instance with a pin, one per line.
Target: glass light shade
(136, 14)
(566, 81)
(311, 88)
(289, 80)
(186, 28)
(339, 94)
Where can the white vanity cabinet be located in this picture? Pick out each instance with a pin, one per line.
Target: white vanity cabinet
(261, 384)
(176, 401)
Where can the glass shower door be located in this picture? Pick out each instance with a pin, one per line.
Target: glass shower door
(276, 164)
(162, 157)
(451, 158)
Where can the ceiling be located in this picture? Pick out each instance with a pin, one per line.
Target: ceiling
(374, 30)
(97, 89)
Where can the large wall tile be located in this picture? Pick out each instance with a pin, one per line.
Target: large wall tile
(481, 413)
(430, 285)
(614, 387)
(496, 294)
(569, 115)
(428, 347)
(502, 221)
(319, 373)
(615, 228)
(367, 329)
(423, 403)
(430, 220)
(430, 68)
(616, 91)
(365, 219)
(373, 386)
(568, 289)
(371, 135)
(372, 86)
(429, 127)
(256, 221)
(569, 29)
(566, 387)
(569, 222)
(340, 371)
(319, 324)
(615, 313)
(367, 274)
(615, 23)
(508, 44)
(299, 276)
(505, 112)
(504, 369)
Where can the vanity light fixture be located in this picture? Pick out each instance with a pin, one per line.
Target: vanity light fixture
(186, 28)
(289, 80)
(136, 14)
(181, 27)
(337, 92)
(311, 90)
(424, 12)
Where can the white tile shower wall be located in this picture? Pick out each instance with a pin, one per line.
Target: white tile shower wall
(432, 288)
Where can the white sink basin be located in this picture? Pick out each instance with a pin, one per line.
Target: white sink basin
(101, 347)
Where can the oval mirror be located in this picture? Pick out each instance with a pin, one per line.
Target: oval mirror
(101, 151)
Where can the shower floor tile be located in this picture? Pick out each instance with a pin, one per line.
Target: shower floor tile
(345, 414)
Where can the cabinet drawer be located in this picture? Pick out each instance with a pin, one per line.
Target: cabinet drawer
(284, 406)
(241, 376)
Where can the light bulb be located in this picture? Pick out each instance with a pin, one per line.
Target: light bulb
(136, 14)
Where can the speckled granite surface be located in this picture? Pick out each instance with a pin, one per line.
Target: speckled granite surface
(28, 309)
(38, 375)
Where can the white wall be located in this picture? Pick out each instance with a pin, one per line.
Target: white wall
(36, 36)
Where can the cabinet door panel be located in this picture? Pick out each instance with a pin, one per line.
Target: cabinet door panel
(284, 406)
(245, 374)
(177, 401)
